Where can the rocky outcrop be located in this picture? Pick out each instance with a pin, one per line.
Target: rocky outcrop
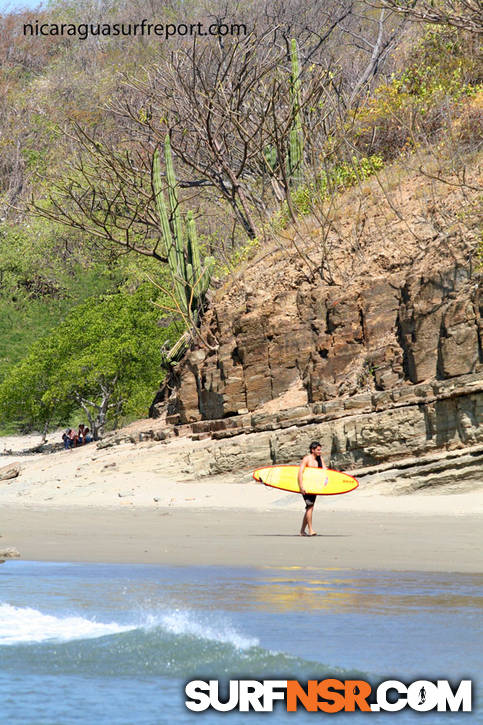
(9, 553)
(365, 333)
(366, 430)
(454, 472)
(10, 471)
(131, 435)
(327, 342)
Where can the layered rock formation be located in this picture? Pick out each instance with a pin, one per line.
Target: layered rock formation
(366, 430)
(381, 360)
(326, 343)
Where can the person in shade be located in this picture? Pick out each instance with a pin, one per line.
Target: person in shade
(80, 434)
(312, 460)
(73, 438)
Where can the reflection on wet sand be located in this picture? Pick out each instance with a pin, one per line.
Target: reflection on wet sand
(377, 593)
(333, 591)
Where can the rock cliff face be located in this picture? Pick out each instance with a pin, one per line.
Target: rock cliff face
(410, 438)
(364, 431)
(382, 362)
(324, 343)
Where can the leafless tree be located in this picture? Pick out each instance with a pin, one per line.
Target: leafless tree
(107, 194)
(226, 103)
(225, 109)
(463, 14)
(218, 103)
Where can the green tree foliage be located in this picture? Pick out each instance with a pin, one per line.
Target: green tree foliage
(105, 358)
(43, 274)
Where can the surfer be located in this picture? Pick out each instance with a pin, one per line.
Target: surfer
(312, 460)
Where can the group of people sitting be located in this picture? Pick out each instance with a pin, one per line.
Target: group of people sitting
(72, 439)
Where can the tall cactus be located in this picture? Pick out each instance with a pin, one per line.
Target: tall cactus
(296, 139)
(175, 261)
(190, 277)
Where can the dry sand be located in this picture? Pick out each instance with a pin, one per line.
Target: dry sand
(132, 503)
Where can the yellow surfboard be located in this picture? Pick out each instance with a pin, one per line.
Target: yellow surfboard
(323, 482)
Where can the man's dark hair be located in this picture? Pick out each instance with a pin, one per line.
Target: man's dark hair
(314, 445)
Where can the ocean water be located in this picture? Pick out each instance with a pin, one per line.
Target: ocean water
(102, 644)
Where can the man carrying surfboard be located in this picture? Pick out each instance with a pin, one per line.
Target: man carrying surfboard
(312, 460)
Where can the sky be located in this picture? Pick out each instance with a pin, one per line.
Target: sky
(9, 5)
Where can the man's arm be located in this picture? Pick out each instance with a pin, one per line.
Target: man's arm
(300, 474)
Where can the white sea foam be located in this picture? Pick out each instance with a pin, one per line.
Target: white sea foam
(24, 625)
(192, 624)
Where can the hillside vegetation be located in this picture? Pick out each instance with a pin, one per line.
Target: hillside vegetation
(138, 174)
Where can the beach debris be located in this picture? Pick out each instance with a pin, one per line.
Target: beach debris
(12, 470)
(9, 553)
(155, 499)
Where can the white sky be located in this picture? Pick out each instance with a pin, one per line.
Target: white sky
(9, 5)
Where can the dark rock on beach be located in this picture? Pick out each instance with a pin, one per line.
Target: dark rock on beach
(10, 471)
(8, 553)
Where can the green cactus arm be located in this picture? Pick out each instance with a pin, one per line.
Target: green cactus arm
(170, 247)
(161, 203)
(296, 139)
(295, 75)
(176, 220)
(190, 277)
(193, 246)
(270, 154)
(201, 272)
(204, 283)
(190, 284)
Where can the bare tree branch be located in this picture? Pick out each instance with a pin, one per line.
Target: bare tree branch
(463, 14)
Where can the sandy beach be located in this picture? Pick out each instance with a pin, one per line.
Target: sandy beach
(133, 503)
(347, 539)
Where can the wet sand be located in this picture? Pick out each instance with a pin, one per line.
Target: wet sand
(347, 539)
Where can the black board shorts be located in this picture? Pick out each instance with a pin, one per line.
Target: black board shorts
(309, 499)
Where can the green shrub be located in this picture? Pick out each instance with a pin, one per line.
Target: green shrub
(335, 179)
(109, 346)
(422, 99)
